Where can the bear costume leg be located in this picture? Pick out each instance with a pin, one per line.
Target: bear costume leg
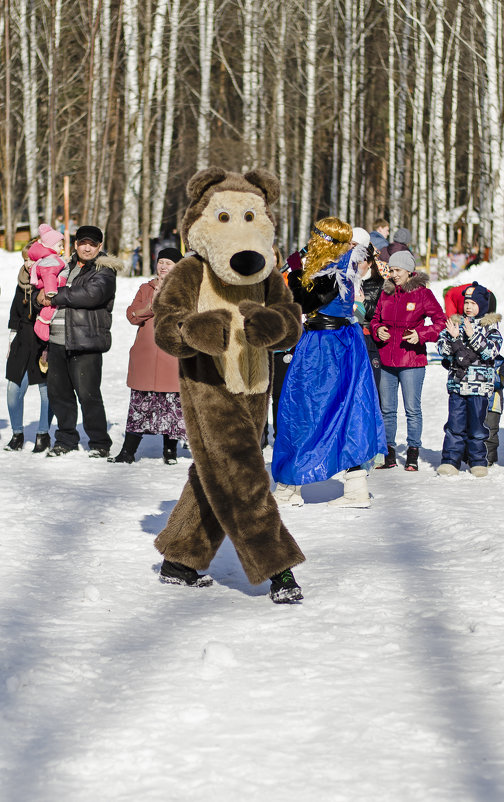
(224, 432)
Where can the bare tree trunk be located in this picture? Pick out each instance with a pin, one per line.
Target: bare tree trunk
(495, 129)
(311, 75)
(159, 190)
(206, 30)
(29, 83)
(146, 118)
(346, 114)
(132, 130)
(401, 116)
(452, 171)
(419, 153)
(283, 236)
(438, 155)
(391, 118)
(7, 193)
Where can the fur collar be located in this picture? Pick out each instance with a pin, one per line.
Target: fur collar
(417, 279)
(102, 260)
(490, 319)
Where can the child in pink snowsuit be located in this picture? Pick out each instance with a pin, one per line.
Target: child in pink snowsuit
(45, 273)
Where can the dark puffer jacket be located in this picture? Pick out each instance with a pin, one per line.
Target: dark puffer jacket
(88, 304)
(406, 307)
(26, 347)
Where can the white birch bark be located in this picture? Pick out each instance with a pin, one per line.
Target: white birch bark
(452, 169)
(55, 32)
(333, 208)
(470, 176)
(401, 116)
(163, 168)
(250, 81)
(311, 74)
(206, 35)
(391, 116)
(438, 153)
(132, 129)
(346, 115)
(419, 219)
(283, 234)
(29, 82)
(495, 129)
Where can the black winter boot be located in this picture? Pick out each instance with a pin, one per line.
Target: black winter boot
(16, 442)
(178, 574)
(284, 588)
(169, 450)
(390, 459)
(411, 463)
(128, 450)
(42, 442)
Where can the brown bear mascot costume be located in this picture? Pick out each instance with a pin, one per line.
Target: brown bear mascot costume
(222, 311)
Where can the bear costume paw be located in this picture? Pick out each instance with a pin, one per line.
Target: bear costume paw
(263, 327)
(207, 332)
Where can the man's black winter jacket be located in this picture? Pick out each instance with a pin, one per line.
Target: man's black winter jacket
(88, 304)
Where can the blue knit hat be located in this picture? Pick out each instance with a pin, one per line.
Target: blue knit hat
(480, 295)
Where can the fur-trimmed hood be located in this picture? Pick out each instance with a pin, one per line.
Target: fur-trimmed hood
(417, 279)
(101, 261)
(490, 319)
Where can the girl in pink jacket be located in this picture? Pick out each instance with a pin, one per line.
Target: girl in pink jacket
(45, 273)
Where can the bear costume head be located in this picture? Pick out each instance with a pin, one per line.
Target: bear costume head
(229, 223)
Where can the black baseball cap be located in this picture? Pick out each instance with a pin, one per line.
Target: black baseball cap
(92, 233)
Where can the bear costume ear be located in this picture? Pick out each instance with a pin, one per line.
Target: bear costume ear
(203, 179)
(267, 182)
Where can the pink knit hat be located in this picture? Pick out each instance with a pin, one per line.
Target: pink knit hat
(48, 236)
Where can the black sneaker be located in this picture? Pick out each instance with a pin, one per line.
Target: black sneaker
(58, 450)
(284, 588)
(99, 453)
(42, 442)
(411, 463)
(178, 574)
(16, 442)
(170, 456)
(390, 460)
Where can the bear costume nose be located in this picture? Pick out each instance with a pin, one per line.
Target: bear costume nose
(246, 263)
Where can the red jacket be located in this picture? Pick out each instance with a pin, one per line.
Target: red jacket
(406, 307)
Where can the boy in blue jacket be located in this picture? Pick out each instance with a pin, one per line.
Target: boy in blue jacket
(469, 345)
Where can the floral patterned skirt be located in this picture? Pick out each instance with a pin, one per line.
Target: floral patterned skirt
(156, 413)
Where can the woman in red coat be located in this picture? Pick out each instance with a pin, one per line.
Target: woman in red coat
(152, 375)
(401, 332)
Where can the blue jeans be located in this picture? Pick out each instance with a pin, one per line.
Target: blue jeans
(465, 430)
(411, 381)
(15, 404)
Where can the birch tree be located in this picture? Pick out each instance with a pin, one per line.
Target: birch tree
(419, 228)
(162, 169)
(346, 113)
(305, 211)
(495, 127)
(437, 129)
(206, 36)
(132, 129)
(26, 20)
(280, 50)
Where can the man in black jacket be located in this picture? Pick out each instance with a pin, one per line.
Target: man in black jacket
(79, 335)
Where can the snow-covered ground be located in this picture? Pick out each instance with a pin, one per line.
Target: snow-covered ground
(385, 685)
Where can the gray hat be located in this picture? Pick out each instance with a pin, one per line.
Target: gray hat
(403, 236)
(403, 259)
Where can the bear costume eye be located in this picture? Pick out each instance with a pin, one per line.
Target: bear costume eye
(223, 216)
(248, 216)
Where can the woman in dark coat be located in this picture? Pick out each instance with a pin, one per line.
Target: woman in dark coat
(367, 299)
(24, 363)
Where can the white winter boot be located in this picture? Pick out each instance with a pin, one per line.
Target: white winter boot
(355, 493)
(288, 494)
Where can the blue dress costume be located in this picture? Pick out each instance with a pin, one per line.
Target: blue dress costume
(329, 415)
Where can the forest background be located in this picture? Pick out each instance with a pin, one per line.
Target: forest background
(363, 108)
